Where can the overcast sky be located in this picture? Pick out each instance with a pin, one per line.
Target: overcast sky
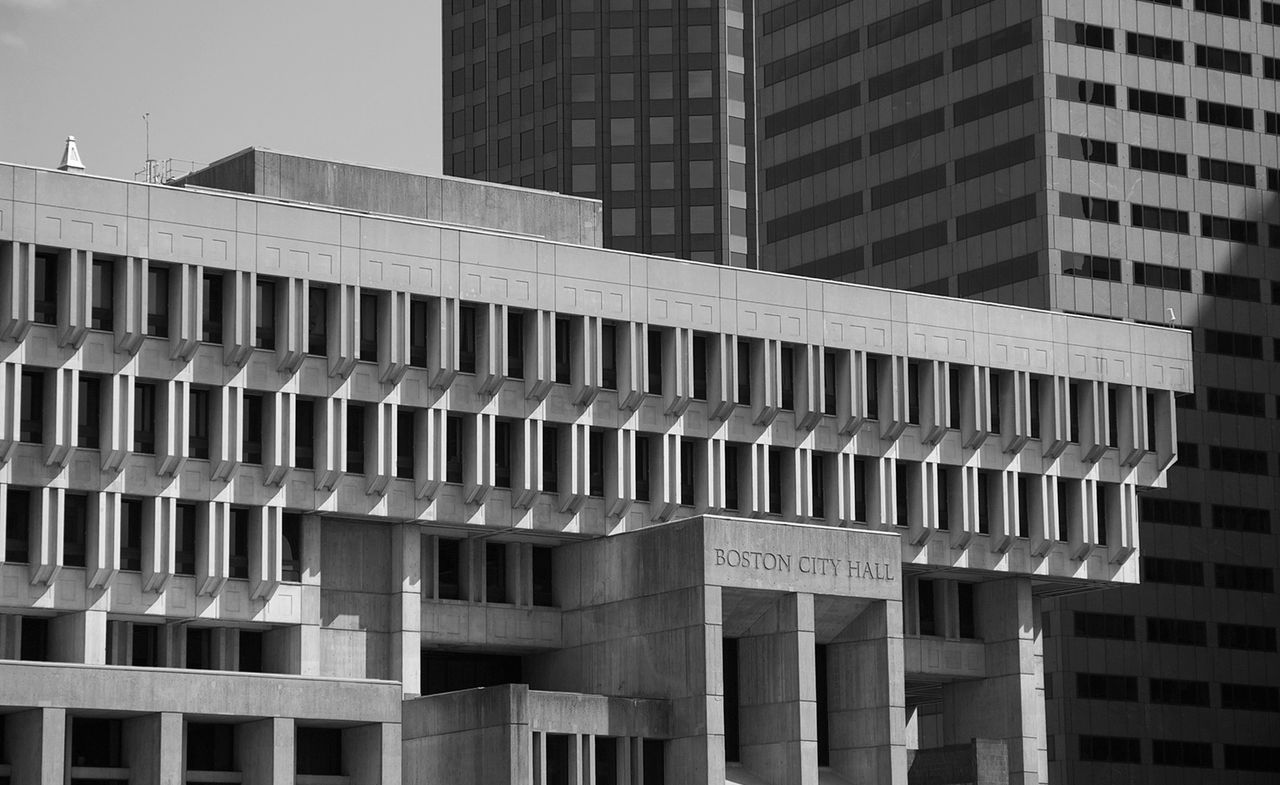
(352, 81)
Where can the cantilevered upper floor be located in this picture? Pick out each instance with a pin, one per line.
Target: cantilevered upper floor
(211, 349)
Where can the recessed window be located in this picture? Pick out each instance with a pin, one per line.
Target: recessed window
(158, 301)
(211, 302)
(101, 313)
(265, 335)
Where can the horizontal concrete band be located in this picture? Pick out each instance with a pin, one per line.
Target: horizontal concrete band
(180, 691)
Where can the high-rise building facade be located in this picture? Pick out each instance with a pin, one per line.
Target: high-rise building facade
(294, 491)
(1115, 158)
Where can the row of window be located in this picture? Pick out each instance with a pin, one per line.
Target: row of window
(76, 520)
(1225, 517)
(1177, 692)
(1185, 632)
(1094, 208)
(1191, 754)
(1150, 159)
(1185, 572)
(1159, 48)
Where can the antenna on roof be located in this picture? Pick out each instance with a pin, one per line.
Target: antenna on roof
(1170, 316)
(149, 170)
(71, 157)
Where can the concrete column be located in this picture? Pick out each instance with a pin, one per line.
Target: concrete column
(1008, 705)
(265, 750)
(79, 637)
(153, 749)
(777, 698)
(371, 754)
(866, 703)
(406, 636)
(35, 743)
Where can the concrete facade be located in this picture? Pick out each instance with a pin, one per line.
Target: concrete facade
(270, 468)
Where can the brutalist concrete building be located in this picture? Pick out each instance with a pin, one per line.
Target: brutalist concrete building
(1116, 158)
(317, 473)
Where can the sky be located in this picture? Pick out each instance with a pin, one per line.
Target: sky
(351, 81)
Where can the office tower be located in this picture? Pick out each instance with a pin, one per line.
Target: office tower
(641, 104)
(294, 490)
(1114, 158)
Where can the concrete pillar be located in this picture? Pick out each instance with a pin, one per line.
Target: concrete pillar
(406, 636)
(35, 743)
(79, 637)
(777, 698)
(865, 702)
(371, 754)
(265, 750)
(153, 749)
(1008, 705)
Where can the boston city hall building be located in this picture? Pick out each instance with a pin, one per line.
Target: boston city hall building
(318, 473)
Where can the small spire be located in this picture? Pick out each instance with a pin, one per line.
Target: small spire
(71, 157)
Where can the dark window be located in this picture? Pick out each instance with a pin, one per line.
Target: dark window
(1244, 578)
(642, 444)
(17, 526)
(453, 449)
(1241, 461)
(829, 382)
(75, 526)
(1250, 697)
(31, 408)
(654, 337)
(515, 345)
(609, 356)
(688, 472)
(449, 671)
(1271, 13)
(595, 471)
(550, 459)
(1161, 277)
(199, 648)
(101, 314)
(1176, 631)
(184, 545)
(467, 339)
(1232, 229)
(1153, 46)
(913, 393)
(1102, 268)
(404, 443)
(318, 320)
(1169, 511)
(157, 301)
(1246, 637)
(1080, 148)
(775, 480)
(1236, 287)
(355, 438)
(1086, 91)
(1106, 686)
(1112, 626)
(368, 327)
(542, 576)
(1224, 171)
(45, 286)
(1239, 402)
(144, 417)
(1178, 692)
(873, 388)
(965, 597)
(304, 423)
(860, 489)
(34, 631)
(1160, 218)
(1224, 59)
(744, 372)
(239, 546)
(291, 547)
(1233, 344)
(787, 377)
(564, 350)
(731, 477)
(1227, 115)
(211, 298)
(253, 428)
(1166, 752)
(699, 364)
(503, 449)
(732, 736)
(199, 419)
(418, 333)
(1163, 104)
(1110, 749)
(265, 332)
(1178, 572)
(211, 747)
(1234, 8)
(448, 569)
(145, 643)
(1152, 160)
(1241, 519)
(495, 572)
(131, 534)
(319, 751)
(996, 417)
(96, 742)
(89, 420)
(926, 607)
(1089, 208)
